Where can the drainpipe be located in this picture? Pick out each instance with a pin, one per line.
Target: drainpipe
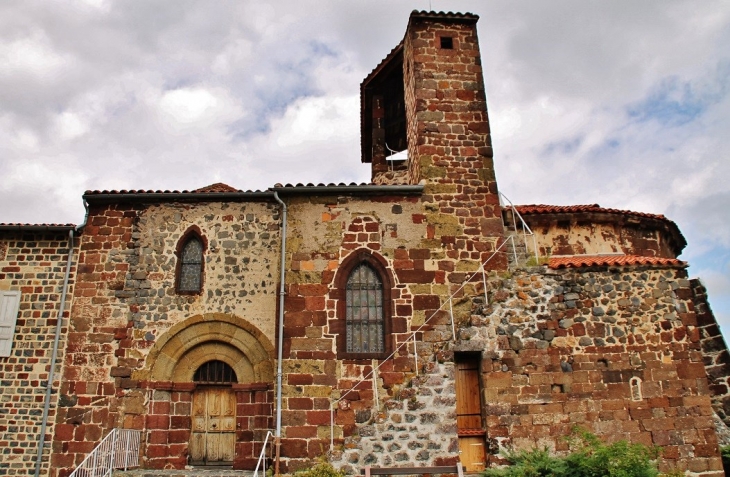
(54, 355)
(280, 349)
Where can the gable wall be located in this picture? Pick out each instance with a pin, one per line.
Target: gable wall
(125, 301)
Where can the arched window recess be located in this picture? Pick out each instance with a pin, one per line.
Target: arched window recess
(189, 272)
(364, 323)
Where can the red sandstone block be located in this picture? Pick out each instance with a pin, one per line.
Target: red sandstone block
(180, 422)
(80, 447)
(294, 303)
(300, 403)
(690, 370)
(161, 407)
(702, 401)
(399, 264)
(157, 437)
(299, 379)
(294, 448)
(157, 422)
(157, 450)
(301, 431)
(426, 302)
(313, 303)
(318, 418)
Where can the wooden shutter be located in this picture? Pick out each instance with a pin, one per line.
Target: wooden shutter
(9, 302)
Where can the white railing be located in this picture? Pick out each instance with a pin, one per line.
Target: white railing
(262, 456)
(118, 450)
(526, 230)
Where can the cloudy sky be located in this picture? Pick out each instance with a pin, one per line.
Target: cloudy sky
(620, 103)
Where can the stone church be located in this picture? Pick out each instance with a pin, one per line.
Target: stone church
(413, 320)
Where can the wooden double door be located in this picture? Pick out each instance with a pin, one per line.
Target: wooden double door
(213, 434)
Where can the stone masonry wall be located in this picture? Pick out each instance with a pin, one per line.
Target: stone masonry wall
(35, 264)
(449, 137)
(614, 351)
(715, 354)
(323, 232)
(593, 237)
(125, 301)
(564, 346)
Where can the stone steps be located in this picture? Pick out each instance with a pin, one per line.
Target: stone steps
(188, 472)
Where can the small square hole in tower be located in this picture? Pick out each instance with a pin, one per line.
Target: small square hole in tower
(447, 43)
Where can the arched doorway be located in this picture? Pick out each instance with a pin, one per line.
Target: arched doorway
(213, 436)
(213, 377)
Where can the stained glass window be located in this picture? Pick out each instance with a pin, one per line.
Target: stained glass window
(364, 311)
(191, 266)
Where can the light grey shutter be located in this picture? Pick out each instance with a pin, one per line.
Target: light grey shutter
(9, 302)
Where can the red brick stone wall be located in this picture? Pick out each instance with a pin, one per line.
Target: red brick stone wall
(34, 264)
(449, 137)
(570, 348)
(715, 352)
(581, 234)
(125, 303)
(92, 375)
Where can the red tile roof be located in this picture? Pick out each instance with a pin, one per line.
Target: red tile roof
(13, 227)
(203, 190)
(535, 209)
(217, 187)
(18, 224)
(432, 15)
(578, 261)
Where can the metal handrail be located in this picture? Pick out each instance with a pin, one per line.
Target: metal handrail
(526, 230)
(118, 450)
(262, 460)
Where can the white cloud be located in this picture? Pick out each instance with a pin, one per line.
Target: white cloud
(32, 56)
(177, 95)
(190, 106)
(70, 126)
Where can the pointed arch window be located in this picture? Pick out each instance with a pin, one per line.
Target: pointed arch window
(189, 279)
(364, 311)
(363, 324)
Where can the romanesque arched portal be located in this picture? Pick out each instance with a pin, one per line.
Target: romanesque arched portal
(214, 374)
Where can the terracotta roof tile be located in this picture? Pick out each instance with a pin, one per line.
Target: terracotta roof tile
(578, 261)
(17, 224)
(331, 184)
(217, 187)
(204, 190)
(534, 209)
(470, 17)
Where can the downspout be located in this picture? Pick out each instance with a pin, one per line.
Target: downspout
(280, 348)
(56, 339)
(54, 355)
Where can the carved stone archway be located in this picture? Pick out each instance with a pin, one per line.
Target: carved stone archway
(248, 401)
(186, 346)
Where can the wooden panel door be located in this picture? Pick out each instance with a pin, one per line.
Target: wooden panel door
(213, 435)
(469, 413)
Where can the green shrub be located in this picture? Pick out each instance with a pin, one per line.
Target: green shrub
(321, 469)
(589, 457)
(725, 453)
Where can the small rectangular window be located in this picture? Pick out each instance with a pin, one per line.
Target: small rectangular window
(9, 303)
(447, 43)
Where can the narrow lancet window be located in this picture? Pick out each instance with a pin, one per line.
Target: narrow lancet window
(190, 272)
(364, 311)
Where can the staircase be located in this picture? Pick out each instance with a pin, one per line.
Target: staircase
(516, 250)
(189, 472)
